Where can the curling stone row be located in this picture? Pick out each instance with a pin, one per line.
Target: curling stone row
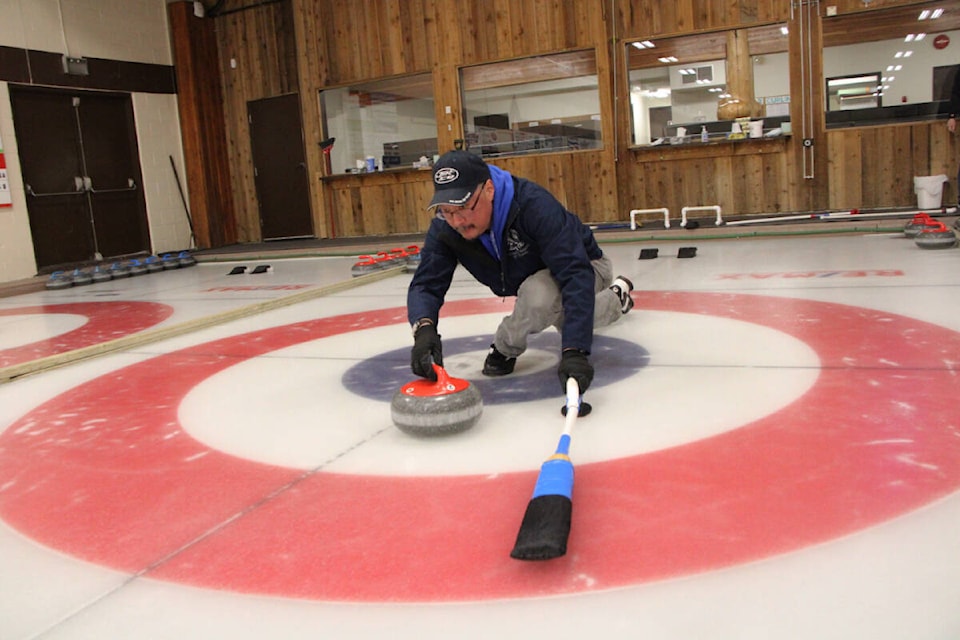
(122, 269)
(929, 233)
(409, 258)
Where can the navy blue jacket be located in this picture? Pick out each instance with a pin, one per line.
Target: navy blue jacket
(539, 233)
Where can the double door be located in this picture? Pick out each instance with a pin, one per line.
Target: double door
(81, 173)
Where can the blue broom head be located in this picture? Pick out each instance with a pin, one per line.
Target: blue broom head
(556, 473)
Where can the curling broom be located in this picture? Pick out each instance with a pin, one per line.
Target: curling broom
(546, 523)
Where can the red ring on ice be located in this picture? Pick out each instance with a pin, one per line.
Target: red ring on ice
(96, 475)
(105, 321)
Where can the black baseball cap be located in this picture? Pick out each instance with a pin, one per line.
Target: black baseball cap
(456, 176)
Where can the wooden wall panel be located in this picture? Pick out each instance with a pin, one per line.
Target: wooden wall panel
(747, 178)
(646, 18)
(205, 145)
(258, 60)
(380, 204)
(874, 166)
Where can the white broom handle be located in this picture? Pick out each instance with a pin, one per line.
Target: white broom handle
(573, 405)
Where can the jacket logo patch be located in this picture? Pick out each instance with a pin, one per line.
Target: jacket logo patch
(515, 246)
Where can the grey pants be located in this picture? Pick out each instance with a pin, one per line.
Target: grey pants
(539, 305)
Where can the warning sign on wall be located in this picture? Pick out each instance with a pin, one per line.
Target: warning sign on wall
(6, 200)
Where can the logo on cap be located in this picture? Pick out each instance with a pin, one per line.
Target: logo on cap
(445, 175)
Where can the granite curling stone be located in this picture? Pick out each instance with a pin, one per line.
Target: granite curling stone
(153, 264)
(101, 275)
(59, 280)
(366, 264)
(186, 259)
(936, 236)
(81, 277)
(919, 222)
(424, 408)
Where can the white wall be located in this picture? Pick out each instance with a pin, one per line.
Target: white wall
(129, 30)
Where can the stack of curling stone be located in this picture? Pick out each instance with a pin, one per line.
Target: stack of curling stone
(383, 260)
(424, 408)
(917, 224)
(936, 236)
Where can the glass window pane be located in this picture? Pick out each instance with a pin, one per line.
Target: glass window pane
(890, 65)
(533, 105)
(682, 90)
(391, 121)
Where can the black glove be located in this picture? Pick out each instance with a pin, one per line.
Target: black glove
(426, 350)
(574, 364)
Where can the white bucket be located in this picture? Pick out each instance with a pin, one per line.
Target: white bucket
(929, 190)
(756, 128)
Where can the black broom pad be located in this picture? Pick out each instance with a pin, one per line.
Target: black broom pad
(545, 528)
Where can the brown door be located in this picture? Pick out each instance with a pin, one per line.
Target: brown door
(279, 168)
(114, 184)
(81, 172)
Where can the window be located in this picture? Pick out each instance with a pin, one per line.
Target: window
(532, 105)
(861, 91)
(704, 88)
(890, 64)
(387, 124)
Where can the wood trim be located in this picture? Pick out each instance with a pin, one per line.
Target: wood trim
(202, 123)
(720, 149)
(26, 66)
(536, 69)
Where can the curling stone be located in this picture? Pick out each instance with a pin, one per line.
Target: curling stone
(119, 270)
(936, 236)
(424, 408)
(101, 275)
(136, 267)
(367, 264)
(413, 259)
(153, 264)
(186, 259)
(398, 255)
(59, 280)
(917, 224)
(81, 277)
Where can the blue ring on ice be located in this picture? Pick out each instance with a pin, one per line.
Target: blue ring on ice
(613, 359)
